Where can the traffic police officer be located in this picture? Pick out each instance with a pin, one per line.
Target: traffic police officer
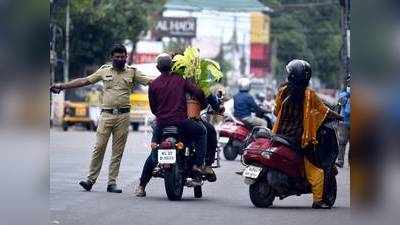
(118, 80)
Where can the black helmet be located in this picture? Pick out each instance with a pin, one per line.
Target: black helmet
(298, 72)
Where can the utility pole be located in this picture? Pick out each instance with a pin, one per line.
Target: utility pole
(345, 27)
(53, 57)
(67, 25)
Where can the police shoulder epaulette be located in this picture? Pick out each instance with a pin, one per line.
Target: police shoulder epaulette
(131, 67)
(105, 66)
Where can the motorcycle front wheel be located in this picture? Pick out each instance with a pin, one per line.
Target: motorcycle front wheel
(174, 183)
(261, 194)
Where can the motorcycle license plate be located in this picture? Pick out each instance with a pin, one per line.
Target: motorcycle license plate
(166, 156)
(223, 140)
(252, 172)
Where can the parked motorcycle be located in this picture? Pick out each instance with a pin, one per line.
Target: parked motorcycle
(275, 169)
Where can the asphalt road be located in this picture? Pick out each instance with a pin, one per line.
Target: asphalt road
(224, 202)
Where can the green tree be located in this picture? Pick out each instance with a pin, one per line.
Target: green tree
(96, 25)
(311, 32)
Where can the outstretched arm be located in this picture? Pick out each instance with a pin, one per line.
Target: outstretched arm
(80, 82)
(142, 78)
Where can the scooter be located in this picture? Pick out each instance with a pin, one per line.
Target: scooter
(275, 169)
(232, 137)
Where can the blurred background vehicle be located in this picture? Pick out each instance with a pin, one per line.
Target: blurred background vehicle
(140, 113)
(76, 109)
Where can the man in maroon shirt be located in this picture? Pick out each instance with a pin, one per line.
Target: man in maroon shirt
(167, 97)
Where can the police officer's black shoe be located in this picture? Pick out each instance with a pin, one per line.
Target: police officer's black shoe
(113, 188)
(86, 184)
(320, 205)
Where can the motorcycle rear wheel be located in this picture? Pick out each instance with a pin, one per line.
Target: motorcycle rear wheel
(230, 152)
(261, 194)
(174, 183)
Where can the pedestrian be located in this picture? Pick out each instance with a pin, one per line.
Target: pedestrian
(344, 103)
(118, 80)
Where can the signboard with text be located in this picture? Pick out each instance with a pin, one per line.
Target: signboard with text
(184, 27)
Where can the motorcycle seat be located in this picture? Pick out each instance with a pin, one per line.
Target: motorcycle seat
(170, 130)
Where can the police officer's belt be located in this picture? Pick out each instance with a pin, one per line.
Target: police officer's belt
(116, 110)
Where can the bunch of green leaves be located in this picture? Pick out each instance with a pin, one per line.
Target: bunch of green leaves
(204, 72)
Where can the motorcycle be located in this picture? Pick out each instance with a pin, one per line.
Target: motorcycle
(275, 169)
(175, 162)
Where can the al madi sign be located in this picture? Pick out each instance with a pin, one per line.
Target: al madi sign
(175, 27)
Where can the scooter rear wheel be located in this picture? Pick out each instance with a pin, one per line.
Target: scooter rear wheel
(330, 191)
(261, 194)
(230, 152)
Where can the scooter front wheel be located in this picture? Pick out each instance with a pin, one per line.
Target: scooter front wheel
(261, 194)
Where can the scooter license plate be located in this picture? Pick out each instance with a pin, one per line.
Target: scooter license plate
(223, 140)
(252, 172)
(166, 156)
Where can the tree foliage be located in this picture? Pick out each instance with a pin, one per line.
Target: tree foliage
(97, 24)
(311, 32)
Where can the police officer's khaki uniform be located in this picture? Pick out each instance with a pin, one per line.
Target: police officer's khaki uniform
(117, 89)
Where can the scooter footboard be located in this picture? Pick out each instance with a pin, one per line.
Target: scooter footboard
(285, 186)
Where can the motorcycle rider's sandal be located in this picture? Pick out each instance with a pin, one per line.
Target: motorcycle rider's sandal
(140, 192)
(210, 174)
(197, 169)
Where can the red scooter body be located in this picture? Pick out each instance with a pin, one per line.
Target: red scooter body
(273, 169)
(274, 155)
(234, 130)
(232, 136)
